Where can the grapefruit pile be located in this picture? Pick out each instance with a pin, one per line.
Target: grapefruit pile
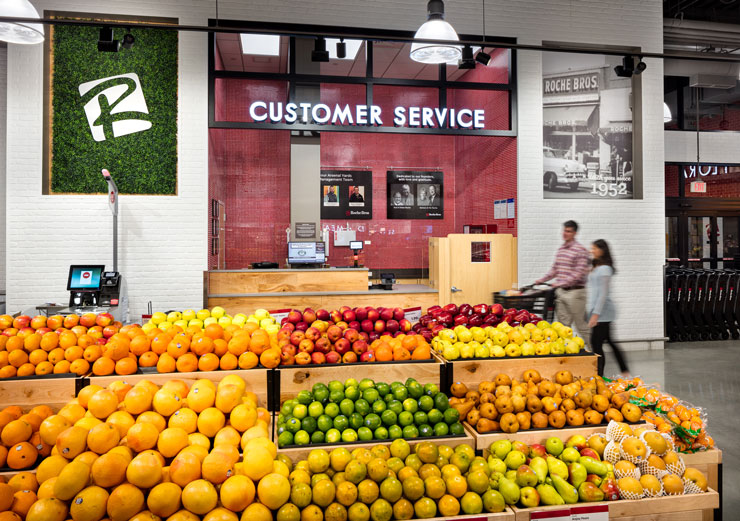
(21, 440)
(146, 452)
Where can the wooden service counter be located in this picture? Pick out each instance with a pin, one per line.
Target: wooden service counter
(243, 291)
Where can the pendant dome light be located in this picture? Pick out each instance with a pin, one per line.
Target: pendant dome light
(20, 32)
(667, 116)
(436, 28)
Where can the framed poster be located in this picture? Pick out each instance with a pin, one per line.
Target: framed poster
(346, 194)
(415, 194)
(587, 128)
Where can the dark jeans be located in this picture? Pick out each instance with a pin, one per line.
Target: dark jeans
(600, 333)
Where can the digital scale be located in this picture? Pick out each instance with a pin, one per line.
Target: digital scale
(91, 288)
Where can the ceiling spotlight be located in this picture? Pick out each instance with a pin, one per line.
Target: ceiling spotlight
(628, 67)
(483, 58)
(20, 32)
(128, 40)
(341, 49)
(641, 66)
(435, 28)
(467, 61)
(106, 43)
(319, 53)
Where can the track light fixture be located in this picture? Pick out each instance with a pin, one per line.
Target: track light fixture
(467, 61)
(483, 58)
(128, 39)
(341, 49)
(319, 53)
(106, 43)
(629, 68)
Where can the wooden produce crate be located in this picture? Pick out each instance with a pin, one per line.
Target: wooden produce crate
(473, 371)
(709, 462)
(506, 515)
(483, 441)
(290, 380)
(691, 507)
(27, 392)
(259, 381)
(301, 452)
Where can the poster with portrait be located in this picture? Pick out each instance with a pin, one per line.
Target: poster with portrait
(415, 194)
(587, 128)
(346, 194)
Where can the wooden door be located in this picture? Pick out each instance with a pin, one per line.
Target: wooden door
(479, 265)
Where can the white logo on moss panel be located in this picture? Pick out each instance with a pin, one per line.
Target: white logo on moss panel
(112, 105)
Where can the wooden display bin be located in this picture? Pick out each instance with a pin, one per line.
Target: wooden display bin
(259, 381)
(290, 380)
(54, 391)
(710, 463)
(693, 507)
(483, 441)
(506, 515)
(302, 452)
(473, 371)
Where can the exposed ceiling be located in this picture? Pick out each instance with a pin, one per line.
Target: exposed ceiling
(723, 11)
(390, 60)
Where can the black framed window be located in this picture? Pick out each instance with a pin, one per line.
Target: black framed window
(717, 109)
(374, 62)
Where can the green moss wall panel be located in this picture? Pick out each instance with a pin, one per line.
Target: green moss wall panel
(127, 123)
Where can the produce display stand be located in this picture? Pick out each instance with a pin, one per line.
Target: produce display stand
(297, 453)
(710, 463)
(290, 380)
(691, 507)
(472, 371)
(258, 381)
(506, 515)
(27, 392)
(530, 436)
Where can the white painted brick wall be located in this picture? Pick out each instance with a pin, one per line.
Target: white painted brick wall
(3, 115)
(164, 239)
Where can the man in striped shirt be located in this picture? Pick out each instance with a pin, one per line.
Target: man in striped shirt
(570, 271)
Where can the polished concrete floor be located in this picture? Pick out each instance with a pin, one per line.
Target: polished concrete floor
(705, 374)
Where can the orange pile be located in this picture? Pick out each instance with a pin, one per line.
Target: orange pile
(21, 441)
(400, 348)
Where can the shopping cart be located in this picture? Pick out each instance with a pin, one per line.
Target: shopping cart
(539, 300)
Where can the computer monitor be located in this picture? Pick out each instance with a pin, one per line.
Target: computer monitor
(306, 253)
(85, 277)
(355, 245)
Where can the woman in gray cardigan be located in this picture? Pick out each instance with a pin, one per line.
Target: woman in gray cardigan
(599, 307)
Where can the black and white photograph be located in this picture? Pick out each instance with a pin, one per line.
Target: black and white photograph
(587, 127)
(356, 195)
(331, 195)
(428, 195)
(346, 194)
(415, 195)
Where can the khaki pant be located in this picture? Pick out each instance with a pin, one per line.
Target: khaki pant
(570, 310)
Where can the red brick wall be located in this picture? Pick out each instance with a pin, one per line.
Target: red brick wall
(723, 185)
(671, 180)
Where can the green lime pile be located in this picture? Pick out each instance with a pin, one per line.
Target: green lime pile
(395, 482)
(364, 411)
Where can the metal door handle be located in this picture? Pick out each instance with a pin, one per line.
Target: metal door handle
(454, 289)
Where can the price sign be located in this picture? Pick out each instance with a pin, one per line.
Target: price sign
(551, 515)
(413, 315)
(590, 513)
(279, 314)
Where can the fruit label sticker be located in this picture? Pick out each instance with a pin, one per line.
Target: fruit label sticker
(551, 515)
(590, 513)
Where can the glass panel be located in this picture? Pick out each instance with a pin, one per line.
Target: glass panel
(252, 52)
(353, 64)
(699, 248)
(391, 60)
(728, 237)
(234, 97)
(722, 181)
(495, 103)
(480, 252)
(671, 238)
(497, 70)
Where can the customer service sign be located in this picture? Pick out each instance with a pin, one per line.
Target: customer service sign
(367, 115)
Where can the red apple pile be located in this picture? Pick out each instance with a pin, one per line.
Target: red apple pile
(438, 318)
(342, 335)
